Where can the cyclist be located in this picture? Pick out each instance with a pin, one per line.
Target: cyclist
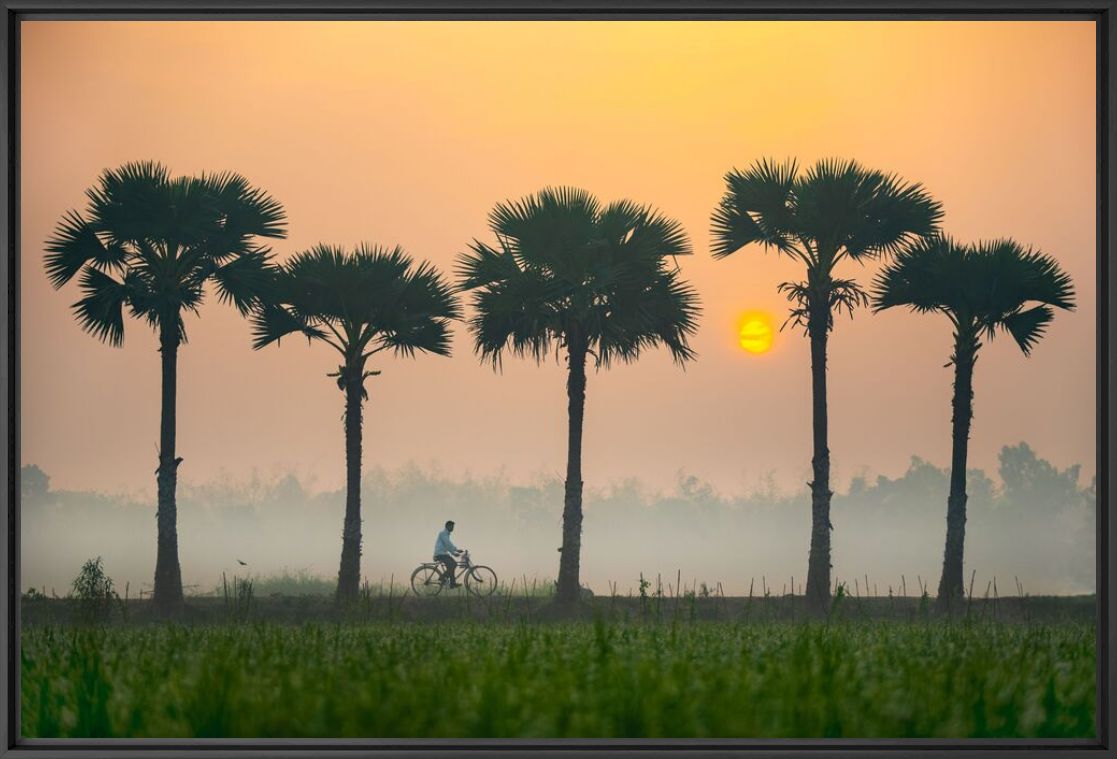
(445, 551)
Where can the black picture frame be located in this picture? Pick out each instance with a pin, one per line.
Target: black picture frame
(14, 11)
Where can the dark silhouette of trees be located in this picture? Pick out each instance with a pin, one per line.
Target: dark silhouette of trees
(567, 273)
(149, 243)
(360, 304)
(833, 211)
(1029, 479)
(982, 289)
(34, 484)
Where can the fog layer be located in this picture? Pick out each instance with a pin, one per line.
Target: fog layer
(1028, 520)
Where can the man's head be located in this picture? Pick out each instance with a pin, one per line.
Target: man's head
(449, 526)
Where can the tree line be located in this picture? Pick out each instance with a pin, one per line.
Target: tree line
(562, 274)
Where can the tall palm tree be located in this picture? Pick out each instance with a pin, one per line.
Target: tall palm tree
(567, 273)
(835, 210)
(359, 303)
(981, 288)
(150, 242)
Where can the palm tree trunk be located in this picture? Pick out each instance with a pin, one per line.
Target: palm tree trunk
(569, 587)
(349, 575)
(167, 593)
(950, 585)
(818, 561)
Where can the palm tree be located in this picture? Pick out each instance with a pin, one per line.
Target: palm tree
(834, 211)
(360, 304)
(567, 273)
(150, 242)
(981, 289)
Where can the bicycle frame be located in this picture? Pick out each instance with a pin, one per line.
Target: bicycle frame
(465, 569)
(462, 563)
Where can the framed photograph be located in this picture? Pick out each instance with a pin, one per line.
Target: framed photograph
(417, 378)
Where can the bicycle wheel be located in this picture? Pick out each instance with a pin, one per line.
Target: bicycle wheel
(481, 581)
(426, 581)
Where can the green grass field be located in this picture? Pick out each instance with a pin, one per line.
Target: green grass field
(468, 678)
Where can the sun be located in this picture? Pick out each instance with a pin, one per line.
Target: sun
(755, 332)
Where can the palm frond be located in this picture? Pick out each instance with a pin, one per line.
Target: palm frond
(757, 207)
(664, 311)
(419, 334)
(101, 311)
(418, 318)
(928, 275)
(1027, 327)
(242, 279)
(892, 214)
(519, 314)
(243, 212)
(483, 265)
(141, 202)
(844, 206)
(655, 237)
(73, 244)
(555, 229)
(426, 292)
(272, 322)
(1022, 274)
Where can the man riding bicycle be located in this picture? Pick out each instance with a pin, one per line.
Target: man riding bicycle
(445, 551)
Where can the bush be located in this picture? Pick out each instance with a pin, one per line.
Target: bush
(94, 593)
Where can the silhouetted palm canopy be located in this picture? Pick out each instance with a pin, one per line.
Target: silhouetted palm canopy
(982, 288)
(360, 303)
(836, 209)
(150, 242)
(565, 268)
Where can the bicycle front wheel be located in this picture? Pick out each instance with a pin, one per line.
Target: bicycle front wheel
(481, 581)
(426, 581)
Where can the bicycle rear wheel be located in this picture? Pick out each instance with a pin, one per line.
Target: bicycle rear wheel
(426, 581)
(480, 581)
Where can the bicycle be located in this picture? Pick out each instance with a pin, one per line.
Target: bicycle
(429, 578)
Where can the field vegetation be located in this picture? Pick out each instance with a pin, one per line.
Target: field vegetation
(632, 667)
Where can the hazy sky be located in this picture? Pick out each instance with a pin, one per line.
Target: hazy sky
(409, 132)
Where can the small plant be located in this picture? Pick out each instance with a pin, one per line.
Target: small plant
(840, 594)
(691, 598)
(93, 590)
(239, 597)
(925, 605)
(244, 598)
(644, 585)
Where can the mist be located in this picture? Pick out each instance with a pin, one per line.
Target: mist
(1033, 522)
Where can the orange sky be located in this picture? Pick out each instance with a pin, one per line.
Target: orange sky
(408, 132)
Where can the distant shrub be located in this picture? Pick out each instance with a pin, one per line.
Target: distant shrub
(93, 590)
